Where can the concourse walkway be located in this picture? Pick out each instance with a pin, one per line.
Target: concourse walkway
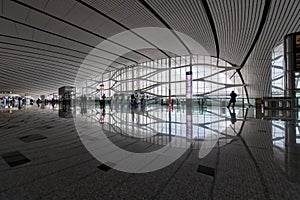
(44, 157)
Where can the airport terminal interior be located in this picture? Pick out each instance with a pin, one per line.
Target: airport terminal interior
(150, 99)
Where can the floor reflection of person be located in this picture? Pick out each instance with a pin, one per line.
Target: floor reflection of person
(82, 101)
(132, 114)
(102, 115)
(133, 101)
(143, 109)
(232, 116)
(53, 103)
(19, 103)
(83, 110)
(38, 101)
(142, 102)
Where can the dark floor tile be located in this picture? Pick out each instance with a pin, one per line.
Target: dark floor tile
(206, 170)
(15, 158)
(104, 167)
(32, 138)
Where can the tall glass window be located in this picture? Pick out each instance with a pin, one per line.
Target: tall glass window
(211, 79)
(278, 71)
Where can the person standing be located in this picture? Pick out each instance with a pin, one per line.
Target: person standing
(232, 100)
(103, 101)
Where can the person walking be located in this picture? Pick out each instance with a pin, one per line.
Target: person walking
(232, 100)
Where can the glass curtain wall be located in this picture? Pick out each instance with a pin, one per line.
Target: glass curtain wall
(278, 72)
(212, 78)
(278, 75)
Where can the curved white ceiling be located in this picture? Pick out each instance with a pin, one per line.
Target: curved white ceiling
(42, 43)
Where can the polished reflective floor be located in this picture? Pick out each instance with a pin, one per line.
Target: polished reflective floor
(254, 154)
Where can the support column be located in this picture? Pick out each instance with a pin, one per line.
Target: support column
(292, 64)
(189, 102)
(169, 78)
(289, 67)
(132, 78)
(170, 100)
(290, 130)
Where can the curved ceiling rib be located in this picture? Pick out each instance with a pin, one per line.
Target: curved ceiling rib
(146, 5)
(258, 33)
(262, 23)
(212, 25)
(236, 24)
(122, 25)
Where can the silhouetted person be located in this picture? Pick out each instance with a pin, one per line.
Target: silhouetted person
(84, 101)
(169, 101)
(232, 100)
(83, 110)
(133, 100)
(173, 100)
(102, 104)
(13, 101)
(38, 101)
(64, 107)
(81, 101)
(142, 102)
(53, 101)
(64, 101)
(19, 103)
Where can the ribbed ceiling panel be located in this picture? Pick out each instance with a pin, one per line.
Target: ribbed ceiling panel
(283, 18)
(236, 23)
(40, 4)
(1, 2)
(43, 43)
(130, 13)
(188, 17)
(15, 11)
(57, 7)
(105, 5)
